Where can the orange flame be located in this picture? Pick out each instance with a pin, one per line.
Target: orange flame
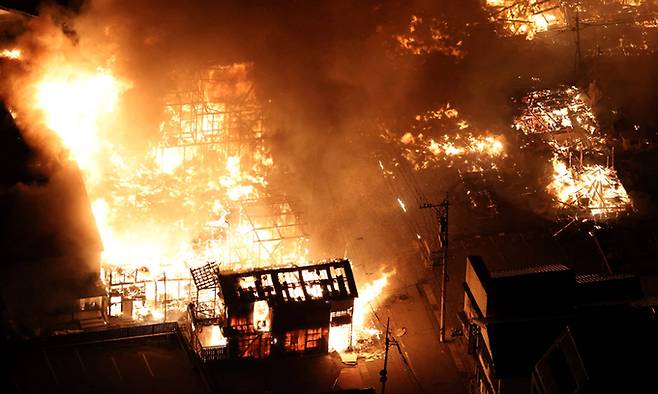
(362, 328)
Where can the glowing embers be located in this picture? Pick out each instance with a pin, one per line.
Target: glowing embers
(562, 118)
(211, 336)
(214, 111)
(261, 316)
(441, 137)
(425, 37)
(14, 53)
(556, 110)
(138, 294)
(527, 17)
(624, 27)
(580, 184)
(591, 189)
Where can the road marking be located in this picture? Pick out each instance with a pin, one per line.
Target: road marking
(437, 316)
(147, 365)
(456, 357)
(116, 368)
(50, 367)
(82, 364)
(429, 293)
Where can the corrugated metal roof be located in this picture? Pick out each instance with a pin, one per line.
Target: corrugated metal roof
(590, 278)
(530, 270)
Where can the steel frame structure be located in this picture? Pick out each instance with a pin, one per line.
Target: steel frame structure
(278, 229)
(213, 110)
(133, 285)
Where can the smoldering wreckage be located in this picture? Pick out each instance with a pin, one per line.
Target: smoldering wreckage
(149, 202)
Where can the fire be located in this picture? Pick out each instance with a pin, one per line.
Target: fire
(594, 188)
(424, 38)
(14, 53)
(527, 17)
(261, 316)
(458, 146)
(198, 194)
(444, 137)
(362, 328)
(563, 119)
(74, 101)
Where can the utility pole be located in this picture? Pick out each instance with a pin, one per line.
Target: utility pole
(441, 211)
(164, 319)
(578, 52)
(384, 372)
(606, 268)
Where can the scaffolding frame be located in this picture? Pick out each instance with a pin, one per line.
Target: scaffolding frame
(278, 228)
(206, 303)
(215, 110)
(133, 285)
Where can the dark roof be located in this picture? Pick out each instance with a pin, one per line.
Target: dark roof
(613, 349)
(595, 288)
(527, 308)
(328, 281)
(554, 288)
(141, 359)
(526, 291)
(517, 345)
(529, 270)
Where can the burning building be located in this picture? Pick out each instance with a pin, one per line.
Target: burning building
(584, 181)
(211, 160)
(262, 312)
(603, 27)
(527, 17)
(443, 137)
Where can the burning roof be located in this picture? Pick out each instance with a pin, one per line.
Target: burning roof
(527, 17)
(594, 189)
(425, 37)
(562, 118)
(332, 280)
(580, 184)
(442, 137)
(619, 27)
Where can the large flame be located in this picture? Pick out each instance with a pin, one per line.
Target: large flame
(341, 338)
(527, 17)
(596, 189)
(175, 205)
(74, 101)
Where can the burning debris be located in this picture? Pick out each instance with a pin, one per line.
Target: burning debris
(595, 189)
(425, 37)
(459, 146)
(621, 26)
(527, 17)
(563, 120)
